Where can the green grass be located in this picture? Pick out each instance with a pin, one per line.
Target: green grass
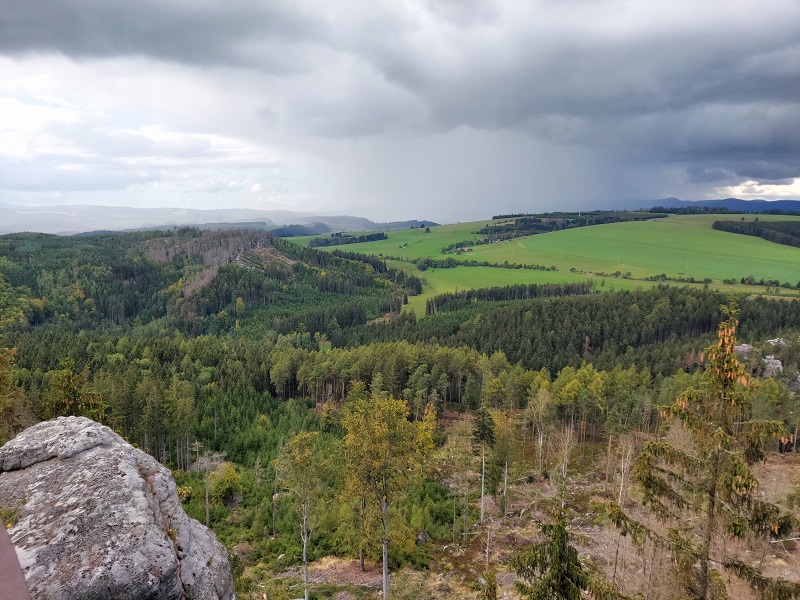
(415, 242)
(679, 246)
(440, 281)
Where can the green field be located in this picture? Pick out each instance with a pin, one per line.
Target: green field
(440, 281)
(679, 246)
(411, 243)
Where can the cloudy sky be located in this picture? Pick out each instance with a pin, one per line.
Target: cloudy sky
(439, 109)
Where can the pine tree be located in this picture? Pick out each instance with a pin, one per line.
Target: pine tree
(713, 481)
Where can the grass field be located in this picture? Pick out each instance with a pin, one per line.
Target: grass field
(679, 246)
(440, 281)
(412, 243)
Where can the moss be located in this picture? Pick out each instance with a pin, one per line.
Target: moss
(10, 516)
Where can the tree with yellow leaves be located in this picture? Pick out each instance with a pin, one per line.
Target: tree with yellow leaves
(710, 478)
(383, 449)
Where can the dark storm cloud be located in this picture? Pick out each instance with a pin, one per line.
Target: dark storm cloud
(521, 96)
(203, 32)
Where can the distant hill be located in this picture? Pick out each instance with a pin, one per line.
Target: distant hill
(729, 203)
(76, 219)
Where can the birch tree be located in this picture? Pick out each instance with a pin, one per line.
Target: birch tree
(300, 471)
(382, 449)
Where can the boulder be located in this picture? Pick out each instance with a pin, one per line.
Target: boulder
(771, 365)
(98, 519)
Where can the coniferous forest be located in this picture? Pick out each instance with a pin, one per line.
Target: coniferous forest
(511, 441)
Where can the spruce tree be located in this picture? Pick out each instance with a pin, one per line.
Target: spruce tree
(710, 484)
(551, 568)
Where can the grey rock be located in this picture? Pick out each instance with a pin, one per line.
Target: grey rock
(99, 519)
(743, 350)
(771, 365)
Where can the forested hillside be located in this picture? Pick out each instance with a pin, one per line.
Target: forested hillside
(281, 370)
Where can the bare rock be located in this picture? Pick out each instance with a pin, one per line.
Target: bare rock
(99, 519)
(771, 365)
(743, 350)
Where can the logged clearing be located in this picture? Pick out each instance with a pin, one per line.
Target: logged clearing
(457, 567)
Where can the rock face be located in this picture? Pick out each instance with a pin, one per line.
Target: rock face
(771, 365)
(99, 519)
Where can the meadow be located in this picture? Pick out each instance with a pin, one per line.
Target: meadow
(679, 246)
(410, 244)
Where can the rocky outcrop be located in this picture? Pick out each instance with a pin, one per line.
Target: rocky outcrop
(99, 519)
(771, 365)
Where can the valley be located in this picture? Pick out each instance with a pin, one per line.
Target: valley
(266, 374)
(678, 246)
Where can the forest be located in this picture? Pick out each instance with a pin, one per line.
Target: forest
(779, 232)
(524, 225)
(338, 239)
(442, 455)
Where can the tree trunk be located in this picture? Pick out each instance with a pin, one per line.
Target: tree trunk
(505, 490)
(706, 550)
(488, 544)
(483, 476)
(608, 464)
(384, 508)
(541, 450)
(304, 536)
(362, 509)
(206, 495)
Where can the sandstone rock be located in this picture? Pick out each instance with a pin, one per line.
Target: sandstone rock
(771, 365)
(743, 350)
(99, 519)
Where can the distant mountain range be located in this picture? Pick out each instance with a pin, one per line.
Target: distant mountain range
(730, 203)
(75, 219)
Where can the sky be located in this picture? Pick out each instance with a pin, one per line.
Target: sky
(448, 110)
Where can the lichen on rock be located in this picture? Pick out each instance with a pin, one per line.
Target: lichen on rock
(99, 519)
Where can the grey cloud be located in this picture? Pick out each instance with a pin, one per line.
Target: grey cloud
(117, 144)
(52, 173)
(205, 32)
(765, 171)
(704, 98)
(704, 174)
